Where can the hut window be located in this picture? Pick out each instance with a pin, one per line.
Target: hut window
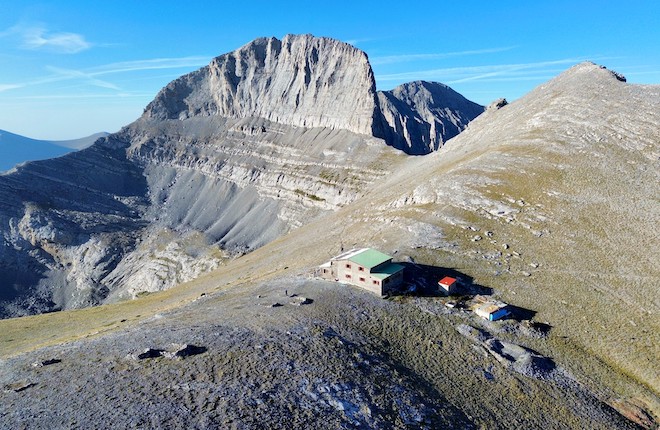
(362, 279)
(348, 266)
(376, 282)
(348, 276)
(361, 269)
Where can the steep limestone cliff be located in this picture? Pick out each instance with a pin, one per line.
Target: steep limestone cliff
(419, 117)
(302, 81)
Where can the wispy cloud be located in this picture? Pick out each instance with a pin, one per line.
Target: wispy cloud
(455, 75)
(91, 76)
(150, 64)
(405, 58)
(67, 43)
(84, 96)
(5, 87)
(38, 38)
(86, 77)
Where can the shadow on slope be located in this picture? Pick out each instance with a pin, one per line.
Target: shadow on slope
(63, 202)
(99, 179)
(423, 280)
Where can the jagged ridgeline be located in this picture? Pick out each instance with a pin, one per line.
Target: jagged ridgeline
(224, 160)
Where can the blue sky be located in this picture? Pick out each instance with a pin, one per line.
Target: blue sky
(73, 68)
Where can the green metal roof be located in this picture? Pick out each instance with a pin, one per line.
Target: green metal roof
(387, 271)
(370, 258)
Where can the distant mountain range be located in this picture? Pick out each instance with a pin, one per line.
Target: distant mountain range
(15, 149)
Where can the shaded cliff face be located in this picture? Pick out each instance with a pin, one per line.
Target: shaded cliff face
(419, 117)
(65, 223)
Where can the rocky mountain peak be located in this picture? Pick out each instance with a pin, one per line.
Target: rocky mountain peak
(420, 116)
(308, 81)
(301, 80)
(591, 68)
(584, 75)
(432, 96)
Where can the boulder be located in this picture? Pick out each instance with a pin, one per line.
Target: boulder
(149, 353)
(184, 350)
(48, 362)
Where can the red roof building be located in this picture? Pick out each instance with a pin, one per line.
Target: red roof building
(448, 284)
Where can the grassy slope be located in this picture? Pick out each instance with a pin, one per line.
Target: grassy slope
(589, 218)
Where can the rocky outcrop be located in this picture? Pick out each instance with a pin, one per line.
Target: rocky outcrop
(497, 104)
(420, 116)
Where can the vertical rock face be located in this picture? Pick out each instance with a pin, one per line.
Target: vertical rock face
(420, 116)
(301, 81)
(305, 81)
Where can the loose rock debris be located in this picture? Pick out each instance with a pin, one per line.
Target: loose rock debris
(176, 351)
(299, 301)
(18, 387)
(511, 355)
(48, 362)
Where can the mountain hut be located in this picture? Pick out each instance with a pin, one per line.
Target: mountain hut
(365, 268)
